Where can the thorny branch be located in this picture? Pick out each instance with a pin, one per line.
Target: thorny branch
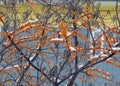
(55, 42)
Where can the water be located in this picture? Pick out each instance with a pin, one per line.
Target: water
(0, 32)
(104, 66)
(0, 38)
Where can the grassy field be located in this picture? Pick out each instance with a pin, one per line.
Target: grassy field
(108, 15)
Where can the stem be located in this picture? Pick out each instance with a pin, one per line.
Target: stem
(70, 83)
(87, 65)
(117, 14)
